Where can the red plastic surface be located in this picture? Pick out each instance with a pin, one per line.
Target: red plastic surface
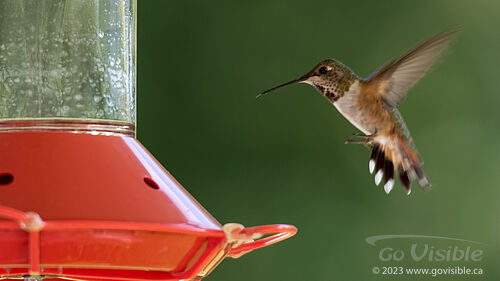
(85, 177)
(107, 211)
(278, 233)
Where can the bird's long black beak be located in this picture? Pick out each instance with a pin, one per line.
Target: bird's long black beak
(301, 79)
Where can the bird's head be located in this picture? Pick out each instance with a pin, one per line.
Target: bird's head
(330, 77)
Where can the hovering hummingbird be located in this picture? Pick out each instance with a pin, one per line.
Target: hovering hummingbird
(370, 104)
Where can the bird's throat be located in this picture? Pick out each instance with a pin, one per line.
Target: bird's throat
(334, 91)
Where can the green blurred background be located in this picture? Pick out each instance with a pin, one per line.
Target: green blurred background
(282, 158)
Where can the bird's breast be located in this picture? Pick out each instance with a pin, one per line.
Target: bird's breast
(348, 106)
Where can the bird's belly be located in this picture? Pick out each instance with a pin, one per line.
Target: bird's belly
(347, 107)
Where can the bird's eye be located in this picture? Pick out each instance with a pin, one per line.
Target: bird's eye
(323, 70)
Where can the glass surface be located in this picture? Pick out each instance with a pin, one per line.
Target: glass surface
(68, 59)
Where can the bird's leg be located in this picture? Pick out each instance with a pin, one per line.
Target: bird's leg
(363, 139)
(360, 135)
(351, 141)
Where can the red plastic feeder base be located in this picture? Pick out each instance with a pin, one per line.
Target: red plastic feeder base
(97, 207)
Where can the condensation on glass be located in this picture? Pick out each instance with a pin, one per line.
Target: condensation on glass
(68, 63)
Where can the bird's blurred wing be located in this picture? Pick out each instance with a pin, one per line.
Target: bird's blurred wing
(401, 74)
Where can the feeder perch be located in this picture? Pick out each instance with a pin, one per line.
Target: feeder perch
(80, 197)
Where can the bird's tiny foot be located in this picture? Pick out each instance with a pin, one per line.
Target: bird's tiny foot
(360, 135)
(351, 141)
(362, 139)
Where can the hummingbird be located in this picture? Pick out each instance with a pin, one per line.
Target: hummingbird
(371, 105)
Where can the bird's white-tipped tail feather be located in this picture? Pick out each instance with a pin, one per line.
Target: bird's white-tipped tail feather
(371, 166)
(378, 177)
(388, 186)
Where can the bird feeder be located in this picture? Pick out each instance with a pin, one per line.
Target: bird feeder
(80, 197)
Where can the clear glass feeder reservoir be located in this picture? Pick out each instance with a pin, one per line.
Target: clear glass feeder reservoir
(68, 64)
